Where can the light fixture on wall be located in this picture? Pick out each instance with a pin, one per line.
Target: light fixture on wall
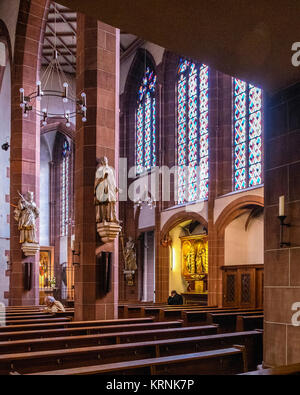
(5, 146)
(75, 247)
(58, 101)
(282, 218)
(8, 264)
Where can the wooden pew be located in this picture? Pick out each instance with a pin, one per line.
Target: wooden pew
(26, 316)
(46, 333)
(40, 315)
(142, 310)
(32, 313)
(64, 342)
(70, 324)
(158, 311)
(172, 313)
(23, 308)
(227, 321)
(36, 321)
(252, 340)
(248, 323)
(196, 317)
(224, 361)
(37, 361)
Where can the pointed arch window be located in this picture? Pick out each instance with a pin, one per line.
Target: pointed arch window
(146, 123)
(247, 134)
(65, 186)
(192, 131)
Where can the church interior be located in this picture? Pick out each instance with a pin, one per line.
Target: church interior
(150, 205)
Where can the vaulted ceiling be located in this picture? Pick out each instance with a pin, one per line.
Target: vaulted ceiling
(248, 39)
(61, 34)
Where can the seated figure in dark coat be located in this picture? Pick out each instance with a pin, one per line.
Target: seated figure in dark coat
(175, 299)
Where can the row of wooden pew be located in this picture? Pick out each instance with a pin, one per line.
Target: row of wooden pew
(229, 319)
(36, 342)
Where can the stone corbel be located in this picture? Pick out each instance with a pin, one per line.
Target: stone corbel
(166, 241)
(30, 249)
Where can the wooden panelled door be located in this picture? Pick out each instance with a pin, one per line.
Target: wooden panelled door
(243, 286)
(230, 288)
(246, 288)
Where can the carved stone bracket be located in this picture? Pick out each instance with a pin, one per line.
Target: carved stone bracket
(166, 241)
(30, 249)
(108, 231)
(129, 275)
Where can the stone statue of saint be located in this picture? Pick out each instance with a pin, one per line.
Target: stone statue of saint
(105, 193)
(26, 214)
(130, 255)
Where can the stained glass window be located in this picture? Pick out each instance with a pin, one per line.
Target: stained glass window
(192, 131)
(146, 123)
(65, 177)
(247, 104)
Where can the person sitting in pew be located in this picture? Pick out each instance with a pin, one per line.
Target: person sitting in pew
(53, 306)
(175, 299)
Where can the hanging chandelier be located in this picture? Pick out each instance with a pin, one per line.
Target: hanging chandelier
(146, 200)
(54, 96)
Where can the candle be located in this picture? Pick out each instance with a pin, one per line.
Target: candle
(281, 206)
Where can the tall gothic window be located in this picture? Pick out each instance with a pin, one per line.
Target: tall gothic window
(65, 183)
(247, 103)
(192, 131)
(146, 123)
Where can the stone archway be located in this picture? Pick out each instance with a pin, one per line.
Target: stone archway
(217, 247)
(25, 140)
(162, 272)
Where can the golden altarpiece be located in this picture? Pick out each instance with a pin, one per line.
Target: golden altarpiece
(195, 266)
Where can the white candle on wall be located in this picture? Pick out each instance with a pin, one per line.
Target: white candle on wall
(281, 206)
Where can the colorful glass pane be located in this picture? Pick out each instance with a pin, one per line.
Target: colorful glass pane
(255, 172)
(255, 98)
(240, 179)
(182, 155)
(192, 129)
(65, 174)
(146, 123)
(247, 134)
(181, 175)
(239, 87)
(240, 106)
(255, 124)
(255, 151)
(193, 107)
(184, 64)
(204, 123)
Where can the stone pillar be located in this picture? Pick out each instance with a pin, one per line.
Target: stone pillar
(282, 274)
(25, 140)
(214, 272)
(97, 75)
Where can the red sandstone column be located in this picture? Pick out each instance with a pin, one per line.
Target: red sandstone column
(97, 75)
(25, 140)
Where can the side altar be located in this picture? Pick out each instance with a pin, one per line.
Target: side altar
(195, 267)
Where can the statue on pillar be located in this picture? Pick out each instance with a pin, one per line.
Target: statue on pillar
(26, 214)
(130, 265)
(130, 255)
(105, 190)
